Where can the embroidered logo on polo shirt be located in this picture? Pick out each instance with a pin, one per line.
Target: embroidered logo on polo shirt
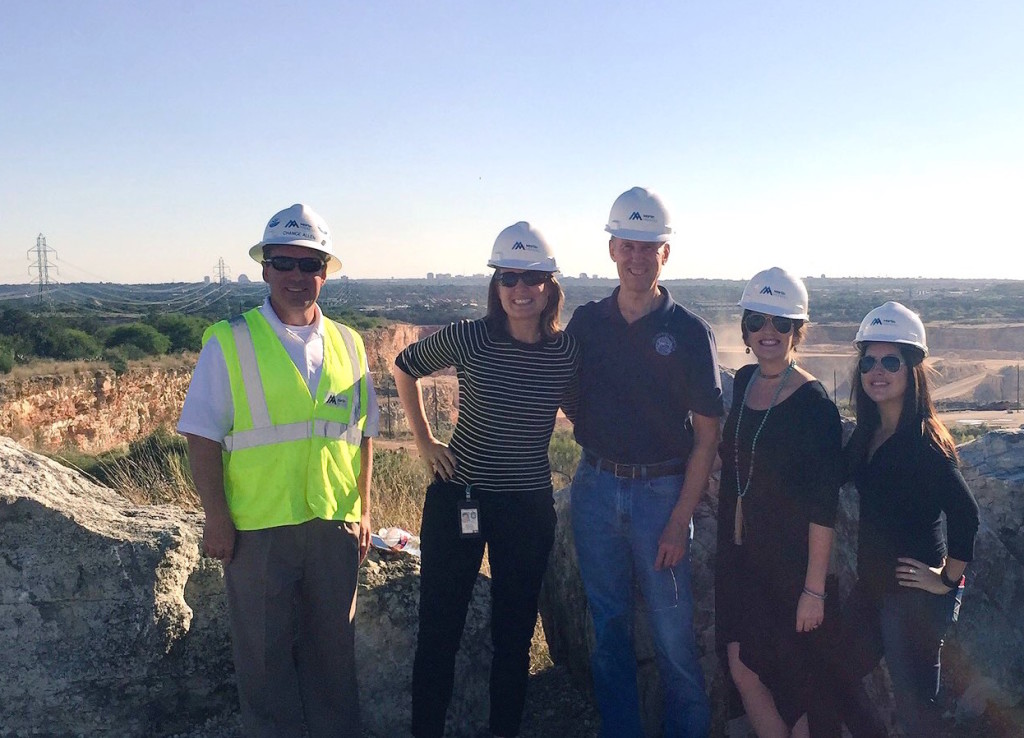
(336, 400)
(665, 343)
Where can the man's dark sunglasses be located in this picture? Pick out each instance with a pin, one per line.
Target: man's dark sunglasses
(890, 363)
(307, 264)
(530, 279)
(756, 321)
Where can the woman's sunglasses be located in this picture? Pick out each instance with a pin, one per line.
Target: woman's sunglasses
(306, 264)
(756, 321)
(890, 363)
(530, 279)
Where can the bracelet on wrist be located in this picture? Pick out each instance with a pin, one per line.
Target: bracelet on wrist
(816, 595)
(951, 583)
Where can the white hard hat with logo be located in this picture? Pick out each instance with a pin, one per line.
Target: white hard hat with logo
(298, 225)
(893, 323)
(639, 215)
(776, 292)
(521, 246)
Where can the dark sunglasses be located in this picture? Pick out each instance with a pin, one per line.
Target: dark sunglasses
(306, 264)
(530, 279)
(890, 363)
(755, 322)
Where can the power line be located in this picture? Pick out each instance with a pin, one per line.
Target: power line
(42, 265)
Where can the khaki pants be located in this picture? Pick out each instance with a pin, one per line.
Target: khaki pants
(292, 602)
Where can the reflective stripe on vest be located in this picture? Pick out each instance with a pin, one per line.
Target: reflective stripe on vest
(263, 432)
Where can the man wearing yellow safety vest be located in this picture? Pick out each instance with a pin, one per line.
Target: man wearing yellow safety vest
(279, 418)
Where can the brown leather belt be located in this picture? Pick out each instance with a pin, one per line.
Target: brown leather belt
(636, 471)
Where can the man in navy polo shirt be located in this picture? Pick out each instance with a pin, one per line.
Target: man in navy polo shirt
(650, 400)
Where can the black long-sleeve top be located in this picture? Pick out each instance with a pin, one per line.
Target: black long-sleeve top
(795, 482)
(906, 489)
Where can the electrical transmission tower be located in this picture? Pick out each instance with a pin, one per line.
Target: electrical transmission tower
(222, 271)
(42, 266)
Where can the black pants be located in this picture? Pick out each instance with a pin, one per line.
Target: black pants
(519, 530)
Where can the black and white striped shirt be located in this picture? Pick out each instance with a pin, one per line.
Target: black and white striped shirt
(509, 393)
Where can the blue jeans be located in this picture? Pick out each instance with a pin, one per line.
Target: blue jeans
(908, 627)
(616, 525)
(914, 625)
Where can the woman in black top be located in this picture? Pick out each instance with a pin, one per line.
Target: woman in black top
(776, 510)
(493, 481)
(910, 575)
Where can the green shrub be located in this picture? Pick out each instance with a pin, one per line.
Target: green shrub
(6, 359)
(144, 337)
(66, 344)
(185, 332)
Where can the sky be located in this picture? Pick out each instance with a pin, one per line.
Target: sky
(148, 141)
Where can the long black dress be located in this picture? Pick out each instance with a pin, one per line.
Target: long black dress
(796, 479)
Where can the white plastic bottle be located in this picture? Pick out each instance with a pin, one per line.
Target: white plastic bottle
(397, 539)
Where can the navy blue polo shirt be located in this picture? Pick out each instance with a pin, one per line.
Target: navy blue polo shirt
(639, 381)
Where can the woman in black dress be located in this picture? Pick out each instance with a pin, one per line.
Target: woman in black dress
(777, 504)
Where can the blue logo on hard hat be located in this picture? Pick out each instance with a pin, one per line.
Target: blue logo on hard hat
(273, 223)
(291, 224)
(636, 216)
(876, 321)
(767, 290)
(518, 246)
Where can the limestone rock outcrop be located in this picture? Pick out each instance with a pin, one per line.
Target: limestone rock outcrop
(93, 410)
(111, 623)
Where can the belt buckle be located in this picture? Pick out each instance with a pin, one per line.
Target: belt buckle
(628, 471)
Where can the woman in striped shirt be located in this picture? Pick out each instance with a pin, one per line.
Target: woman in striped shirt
(492, 483)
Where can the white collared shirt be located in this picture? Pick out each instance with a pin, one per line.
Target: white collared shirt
(209, 411)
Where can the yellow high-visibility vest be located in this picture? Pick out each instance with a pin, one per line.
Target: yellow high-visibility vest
(291, 457)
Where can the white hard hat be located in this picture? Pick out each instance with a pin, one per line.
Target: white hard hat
(776, 292)
(639, 215)
(521, 246)
(298, 225)
(893, 323)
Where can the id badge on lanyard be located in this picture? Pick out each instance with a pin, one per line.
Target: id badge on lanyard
(469, 515)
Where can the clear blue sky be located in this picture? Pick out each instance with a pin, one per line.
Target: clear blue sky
(146, 140)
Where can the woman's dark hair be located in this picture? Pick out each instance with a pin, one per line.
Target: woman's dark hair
(549, 317)
(917, 404)
(799, 328)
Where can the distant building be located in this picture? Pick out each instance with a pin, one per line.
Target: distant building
(206, 280)
(243, 279)
(430, 275)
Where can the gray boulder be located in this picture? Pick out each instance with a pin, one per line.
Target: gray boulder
(114, 624)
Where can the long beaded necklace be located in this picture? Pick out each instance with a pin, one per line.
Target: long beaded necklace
(741, 490)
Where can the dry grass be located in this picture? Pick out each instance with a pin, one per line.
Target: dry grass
(47, 367)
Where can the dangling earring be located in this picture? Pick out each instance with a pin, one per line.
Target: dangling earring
(748, 350)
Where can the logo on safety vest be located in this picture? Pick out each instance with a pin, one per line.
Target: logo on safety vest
(336, 401)
(665, 343)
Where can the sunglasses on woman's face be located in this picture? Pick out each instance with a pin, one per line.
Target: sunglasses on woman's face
(530, 279)
(756, 321)
(889, 362)
(306, 264)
